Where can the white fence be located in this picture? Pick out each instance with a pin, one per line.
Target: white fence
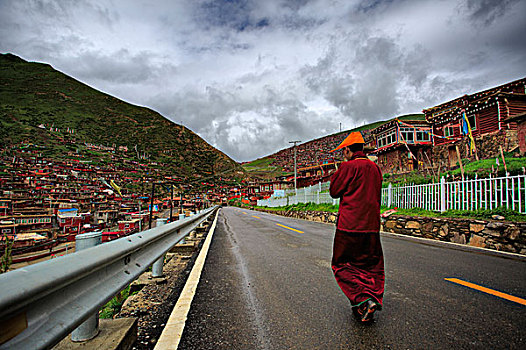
(468, 194)
(318, 194)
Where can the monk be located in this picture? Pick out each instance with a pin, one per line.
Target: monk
(357, 259)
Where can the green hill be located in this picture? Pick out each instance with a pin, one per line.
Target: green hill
(34, 97)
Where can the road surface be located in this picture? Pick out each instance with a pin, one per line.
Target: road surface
(267, 284)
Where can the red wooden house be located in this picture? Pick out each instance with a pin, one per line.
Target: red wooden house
(6, 207)
(8, 227)
(144, 216)
(113, 235)
(488, 112)
(72, 223)
(130, 226)
(33, 222)
(403, 146)
(520, 119)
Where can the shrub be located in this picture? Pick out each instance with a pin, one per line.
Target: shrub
(114, 306)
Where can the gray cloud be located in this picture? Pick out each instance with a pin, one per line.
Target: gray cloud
(119, 67)
(486, 12)
(249, 76)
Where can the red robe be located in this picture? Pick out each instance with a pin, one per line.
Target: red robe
(358, 184)
(357, 260)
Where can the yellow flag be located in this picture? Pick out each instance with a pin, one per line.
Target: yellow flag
(115, 187)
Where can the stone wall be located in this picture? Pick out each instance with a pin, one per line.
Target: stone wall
(498, 235)
(487, 147)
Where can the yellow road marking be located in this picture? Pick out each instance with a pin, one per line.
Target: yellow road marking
(257, 217)
(290, 228)
(245, 213)
(488, 290)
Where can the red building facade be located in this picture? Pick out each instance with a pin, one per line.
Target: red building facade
(403, 146)
(490, 115)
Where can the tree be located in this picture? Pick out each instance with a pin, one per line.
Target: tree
(5, 261)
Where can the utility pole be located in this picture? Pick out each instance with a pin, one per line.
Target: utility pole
(171, 200)
(140, 217)
(181, 201)
(151, 204)
(295, 172)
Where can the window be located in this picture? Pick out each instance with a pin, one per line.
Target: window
(6, 230)
(386, 138)
(472, 122)
(449, 130)
(422, 136)
(408, 135)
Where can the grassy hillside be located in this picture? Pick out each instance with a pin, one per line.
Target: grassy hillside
(34, 94)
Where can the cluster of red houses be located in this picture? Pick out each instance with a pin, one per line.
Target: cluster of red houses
(46, 201)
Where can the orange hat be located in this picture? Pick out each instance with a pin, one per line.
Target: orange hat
(354, 137)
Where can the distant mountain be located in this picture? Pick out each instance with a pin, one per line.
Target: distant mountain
(41, 105)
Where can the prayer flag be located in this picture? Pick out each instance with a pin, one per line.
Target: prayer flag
(466, 130)
(115, 187)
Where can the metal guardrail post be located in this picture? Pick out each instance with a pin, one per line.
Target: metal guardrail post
(181, 217)
(89, 329)
(157, 267)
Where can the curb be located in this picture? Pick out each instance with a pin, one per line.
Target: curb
(173, 331)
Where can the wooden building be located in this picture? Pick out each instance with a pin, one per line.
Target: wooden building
(106, 216)
(520, 120)
(8, 227)
(6, 207)
(33, 222)
(130, 226)
(489, 113)
(403, 146)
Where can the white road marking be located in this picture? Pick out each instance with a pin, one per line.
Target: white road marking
(173, 331)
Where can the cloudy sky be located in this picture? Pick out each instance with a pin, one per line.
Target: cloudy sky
(251, 75)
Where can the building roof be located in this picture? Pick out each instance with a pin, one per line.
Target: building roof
(395, 122)
(449, 110)
(68, 209)
(29, 235)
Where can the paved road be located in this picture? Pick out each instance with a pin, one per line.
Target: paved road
(265, 286)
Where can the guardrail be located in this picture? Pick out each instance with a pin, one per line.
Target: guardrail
(42, 303)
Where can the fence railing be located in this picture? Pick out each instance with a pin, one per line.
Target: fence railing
(41, 304)
(318, 194)
(467, 194)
